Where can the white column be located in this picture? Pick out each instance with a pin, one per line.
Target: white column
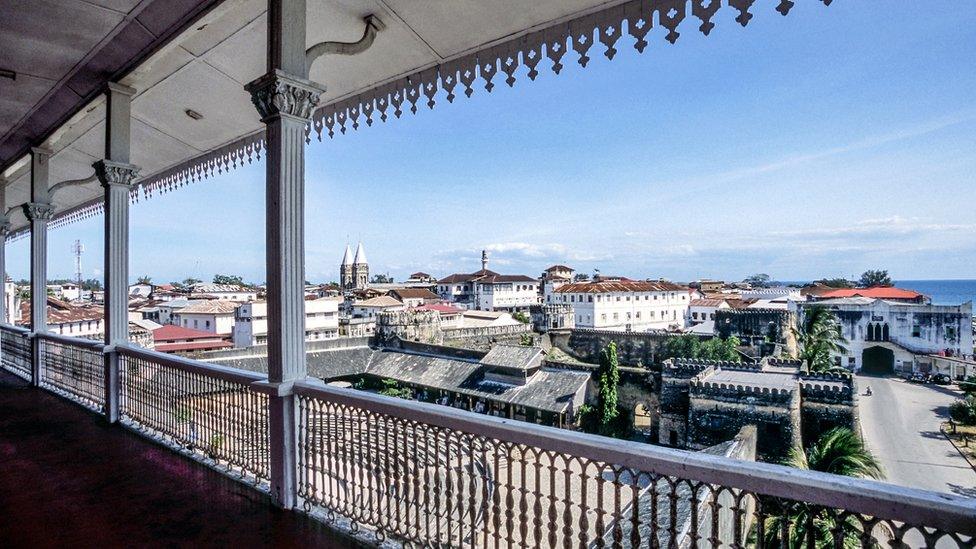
(4, 231)
(38, 211)
(285, 101)
(116, 175)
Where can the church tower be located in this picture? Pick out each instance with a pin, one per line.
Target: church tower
(346, 279)
(360, 268)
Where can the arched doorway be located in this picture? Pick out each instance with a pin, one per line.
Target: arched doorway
(878, 360)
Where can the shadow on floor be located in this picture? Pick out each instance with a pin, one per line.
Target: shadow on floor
(67, 478)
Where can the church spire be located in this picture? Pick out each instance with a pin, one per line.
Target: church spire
(360, 255)
(347, 257)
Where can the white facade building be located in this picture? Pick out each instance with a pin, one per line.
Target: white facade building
(251, 321)
(703, 310)
(215, 316)
(371, 308)
(888, 336)
(225, 292)
(487, 290)
(623, 304)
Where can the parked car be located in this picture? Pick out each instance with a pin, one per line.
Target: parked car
(918, 377)
(941, 379)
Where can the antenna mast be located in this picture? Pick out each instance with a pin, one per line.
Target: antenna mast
(78, 249)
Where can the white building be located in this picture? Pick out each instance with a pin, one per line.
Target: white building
(251, 321)
(489, 291)
(554, 277)
(215, 316)
(371, 308)
(889, 336)
(704, 309)
(623, 304)
(225, 292)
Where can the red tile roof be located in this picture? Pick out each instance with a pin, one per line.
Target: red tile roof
(485, 276)
(622, 285)
(176, 333)
(876, 292)
(191, 346)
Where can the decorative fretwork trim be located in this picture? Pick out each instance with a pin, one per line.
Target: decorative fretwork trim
(487, 67)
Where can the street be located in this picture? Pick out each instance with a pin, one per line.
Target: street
(900, 423)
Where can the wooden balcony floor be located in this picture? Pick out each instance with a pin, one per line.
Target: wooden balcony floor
(69, 479)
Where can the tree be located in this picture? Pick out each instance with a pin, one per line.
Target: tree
(608, 377)
(381, 279)
(144, 279)
(581, 277)
(838, 452)
(189, 282)
(819, 336)
(691, 346)
(835, 282)
(758, 280)
(521, 317)
(230, 280)
(872, 277)
(964, 410)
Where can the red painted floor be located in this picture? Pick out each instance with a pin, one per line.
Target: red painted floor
(68, 479)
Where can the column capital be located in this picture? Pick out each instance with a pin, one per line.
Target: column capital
(278, 93)
(38, 211)
(115, 173)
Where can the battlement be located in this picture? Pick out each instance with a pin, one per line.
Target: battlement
(688, 367)
(784, 362)
(828, 388)
(740, 392)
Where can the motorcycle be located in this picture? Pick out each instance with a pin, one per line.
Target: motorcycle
(867, 392)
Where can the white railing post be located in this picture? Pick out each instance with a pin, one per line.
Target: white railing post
(285, 100)
(4, 231)
(116, 175)
(38, 211)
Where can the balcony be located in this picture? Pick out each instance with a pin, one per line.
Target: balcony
(385, 470)
(117, 444)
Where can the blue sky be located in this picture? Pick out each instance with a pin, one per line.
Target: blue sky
(821, 144)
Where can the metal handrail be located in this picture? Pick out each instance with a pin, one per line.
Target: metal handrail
(15, 329)
(233, 375)
(70, 341)
(867, 497)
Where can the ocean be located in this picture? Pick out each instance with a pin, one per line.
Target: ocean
(942, 292)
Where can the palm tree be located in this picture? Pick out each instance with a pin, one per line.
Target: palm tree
(839, 452)
(819, 335)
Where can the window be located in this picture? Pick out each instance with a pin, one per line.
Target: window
(628, 298)
(616, 316)
(628, 316)
(916, 330)
(694, 316)
(638, 314)
(603, 316)
(618, 298)
(590, 298)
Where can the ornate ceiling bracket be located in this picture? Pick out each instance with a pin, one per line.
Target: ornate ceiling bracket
(115, 173)
(280, 94)
(373, 26)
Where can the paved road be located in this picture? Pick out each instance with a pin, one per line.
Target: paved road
(900, 422)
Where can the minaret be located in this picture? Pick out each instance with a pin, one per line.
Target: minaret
(484, 260)
(360, 268)
(346, 280)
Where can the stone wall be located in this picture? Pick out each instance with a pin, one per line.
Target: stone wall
(826, 406)
(422, 326)
(757, 327)
(777, 419)
(484, 338)
(633, 348)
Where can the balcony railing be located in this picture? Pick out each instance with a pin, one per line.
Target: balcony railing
(15, 351)
(421, 474)
(200, 408)
(73, 367)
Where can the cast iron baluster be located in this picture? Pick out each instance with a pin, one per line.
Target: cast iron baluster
(524, 497)
(567, 502)
(716, 492)
(618, 534)
(584, 526)
(601, 485)
(553, 516)
(472, 490)
(507, 450)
